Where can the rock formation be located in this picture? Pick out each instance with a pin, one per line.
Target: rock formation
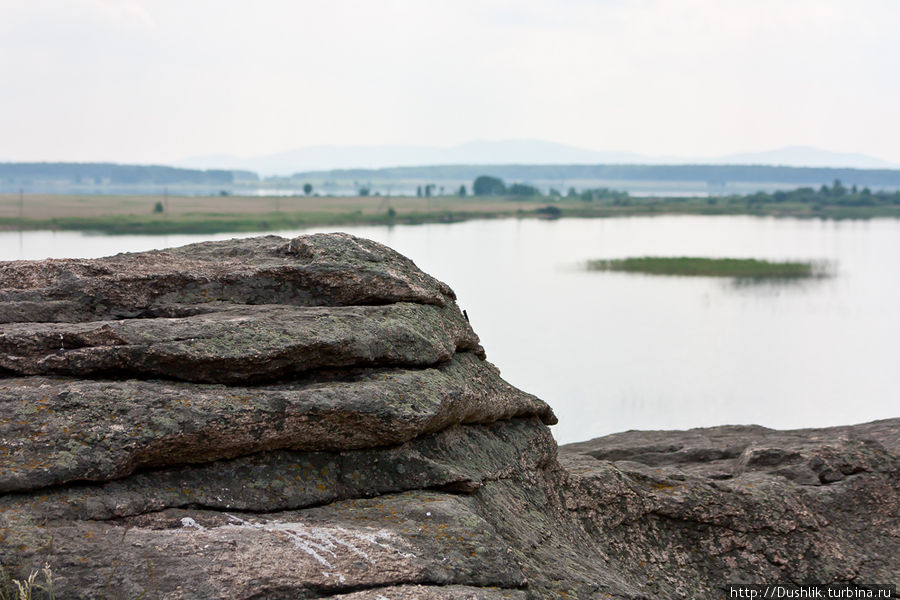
(309, 418)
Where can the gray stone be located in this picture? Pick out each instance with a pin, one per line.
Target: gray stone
(311, 418)
(685, 512)
(315, 270)
(58, 430)
(247, 344)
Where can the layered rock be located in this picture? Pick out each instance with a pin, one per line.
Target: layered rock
(684, 512)
(260, 418)
(308, 418)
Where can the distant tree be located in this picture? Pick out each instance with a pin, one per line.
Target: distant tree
(158, 207)
(572, 193)
(391, 213)
(838, 189)
(605, 195)
(419, 191)
(485, 185)
(521, 189)
(833, 195)
(364, 191)
(462, 191)
(307, 188)
(804, 194)
(429, 190)
(554, 192)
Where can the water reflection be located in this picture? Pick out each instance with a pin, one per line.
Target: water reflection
(775, 284)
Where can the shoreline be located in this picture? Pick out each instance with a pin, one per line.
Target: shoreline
(124, 215)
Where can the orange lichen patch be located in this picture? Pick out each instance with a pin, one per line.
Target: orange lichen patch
(664, 486)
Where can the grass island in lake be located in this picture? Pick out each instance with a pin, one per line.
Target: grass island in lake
(708, 267)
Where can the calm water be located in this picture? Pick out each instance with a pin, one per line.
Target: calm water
(614, 351)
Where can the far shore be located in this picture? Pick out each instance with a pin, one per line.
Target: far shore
(220, 214)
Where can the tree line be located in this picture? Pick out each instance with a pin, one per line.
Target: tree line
(487, 185)
(837, 194)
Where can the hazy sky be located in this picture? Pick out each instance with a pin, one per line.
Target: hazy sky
(159, 80)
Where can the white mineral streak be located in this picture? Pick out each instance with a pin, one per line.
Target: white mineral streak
(189, 522)
(322, 542)
(372, 538)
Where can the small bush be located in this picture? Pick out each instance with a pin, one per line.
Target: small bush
(550, 212)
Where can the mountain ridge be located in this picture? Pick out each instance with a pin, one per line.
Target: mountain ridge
(333, 157)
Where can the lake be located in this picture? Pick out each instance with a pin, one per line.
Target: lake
(617, 351)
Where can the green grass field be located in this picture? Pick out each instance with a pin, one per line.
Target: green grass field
(707, 267)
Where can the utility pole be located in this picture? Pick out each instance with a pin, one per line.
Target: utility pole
(21, 203)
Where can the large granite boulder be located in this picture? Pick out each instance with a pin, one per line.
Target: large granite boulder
(309, 418)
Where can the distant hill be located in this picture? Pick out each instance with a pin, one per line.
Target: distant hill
(67, 174)
(534, 152)
(374, 157)
(804, 156)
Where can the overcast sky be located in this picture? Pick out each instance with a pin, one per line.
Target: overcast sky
(160, 80)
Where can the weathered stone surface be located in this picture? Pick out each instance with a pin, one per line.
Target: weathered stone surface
(343, 547)
(459, 459)
(685, 512)
(59, 430)
(310, 418)
(315, 270)
(246, 344)
(421, 592)
(431, 538)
